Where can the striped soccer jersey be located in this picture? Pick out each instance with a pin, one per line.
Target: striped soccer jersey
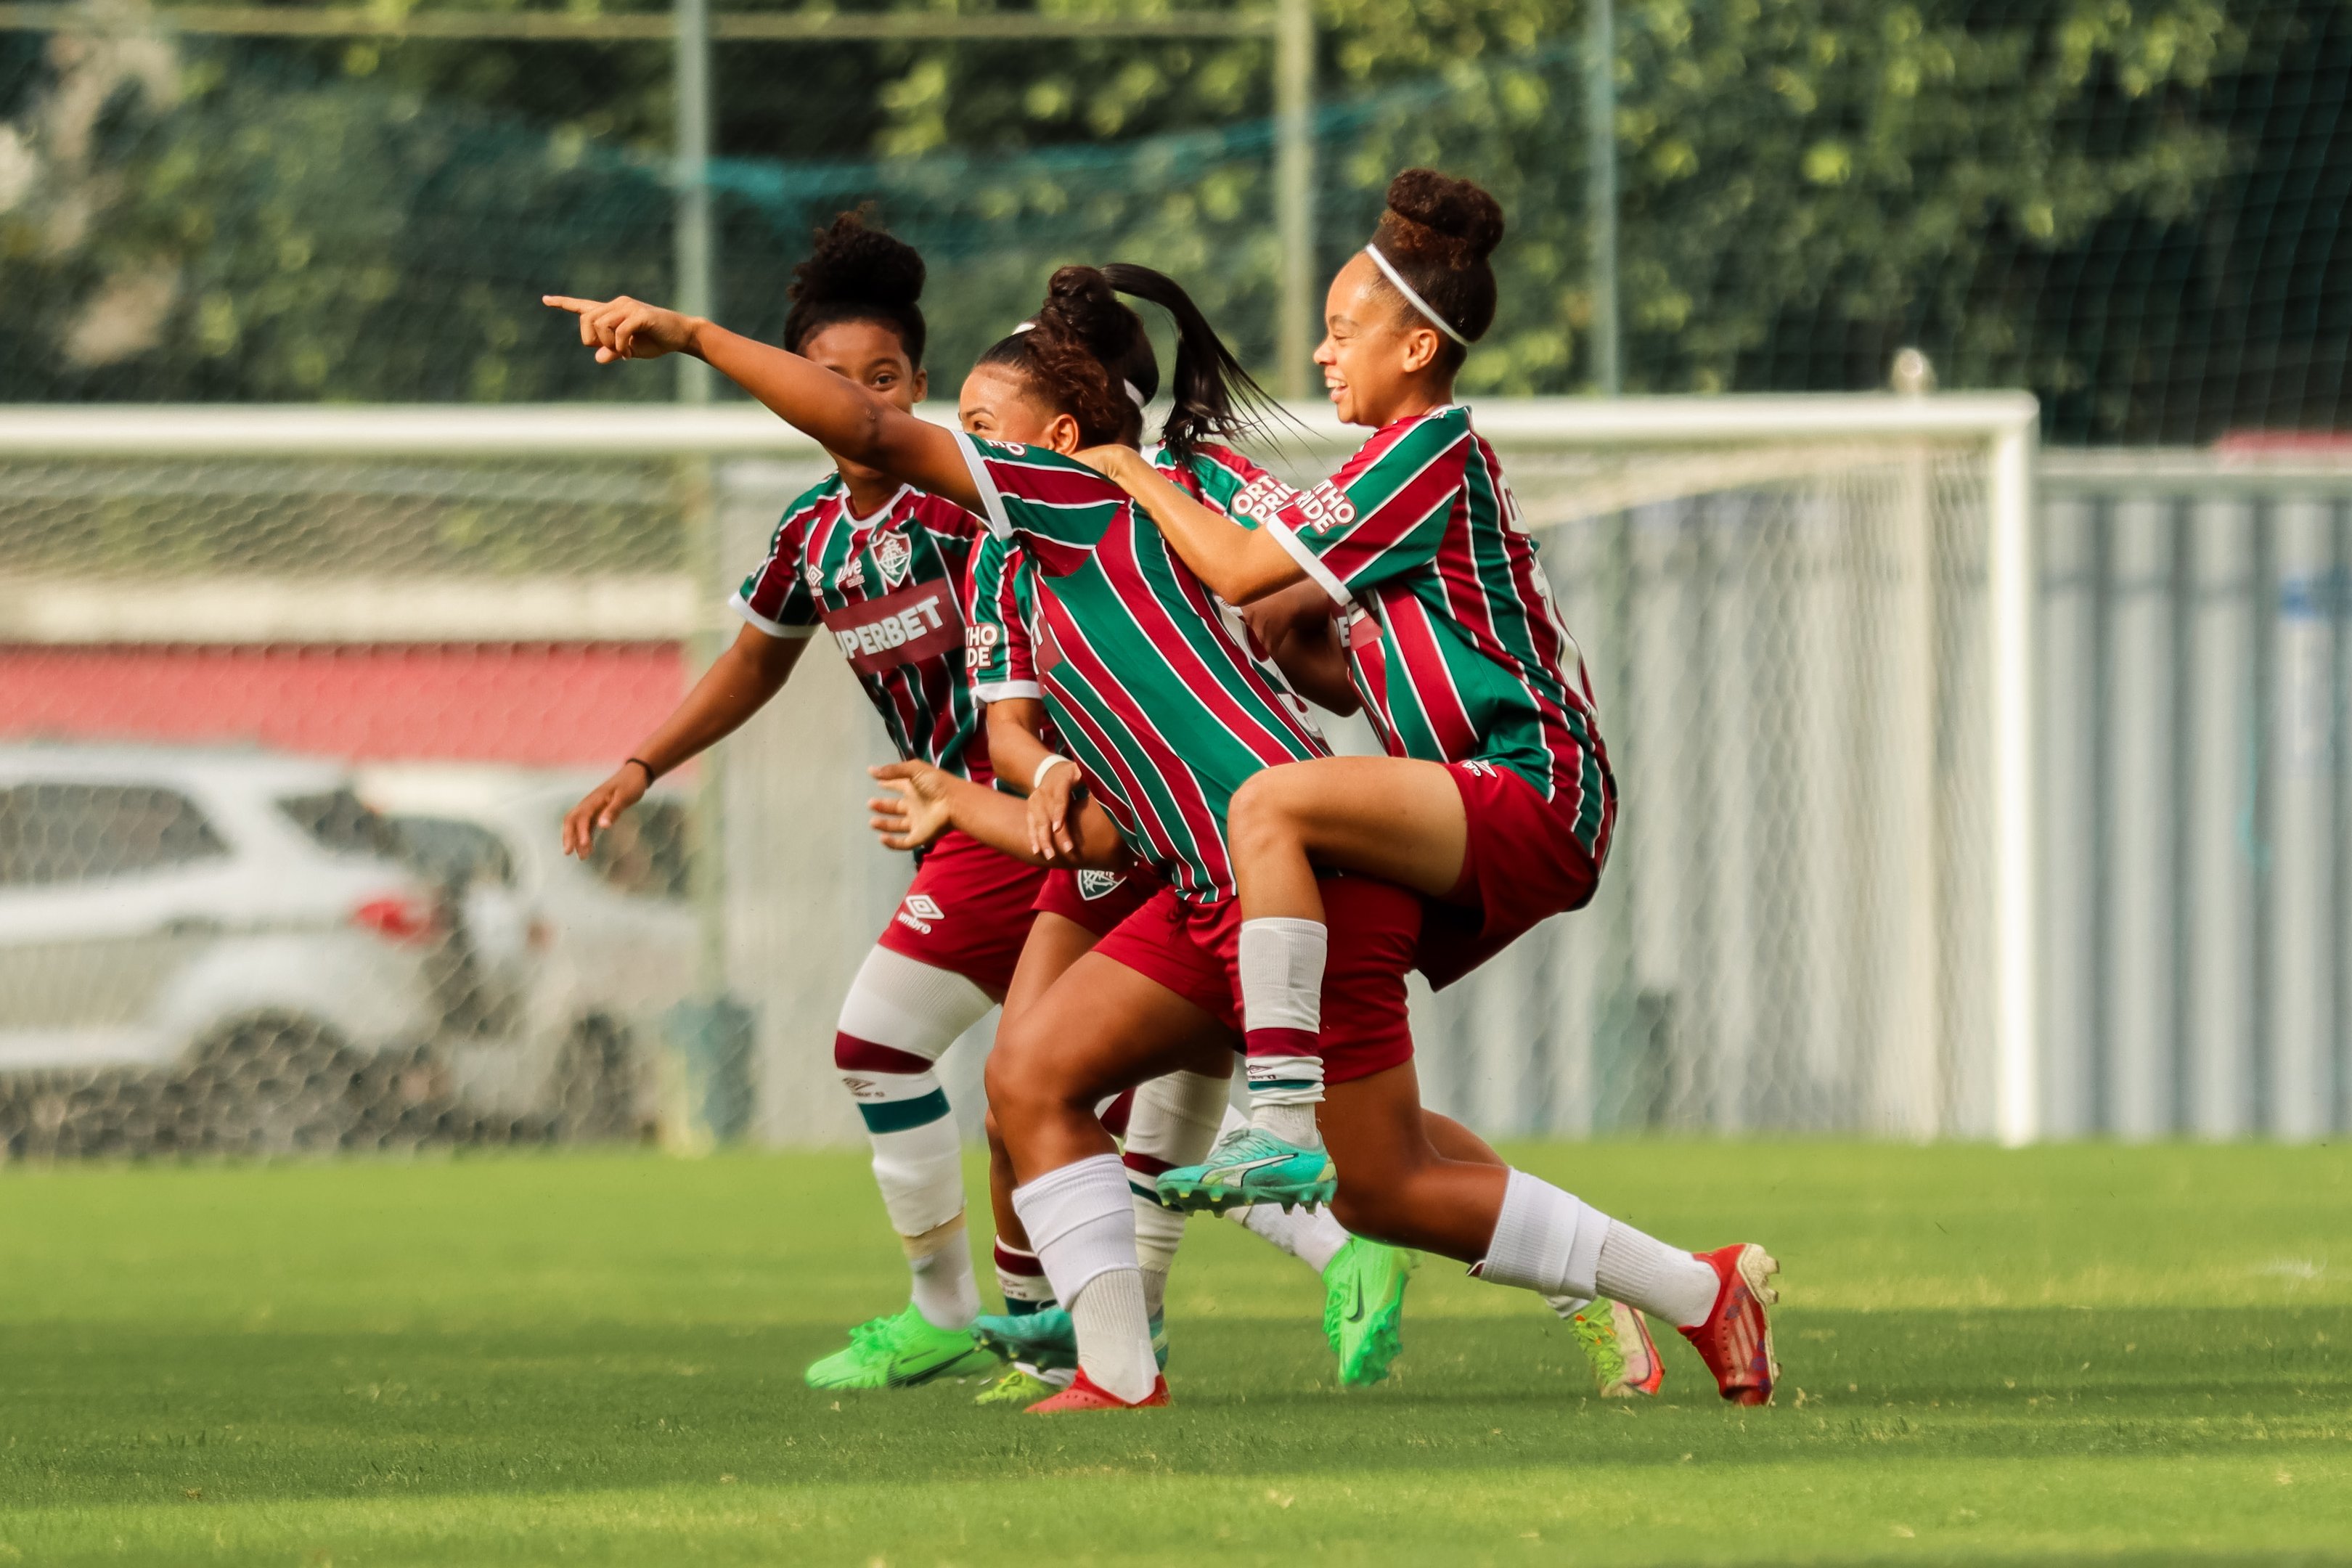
(889, 588)
(1149, 688)
(1453, 640)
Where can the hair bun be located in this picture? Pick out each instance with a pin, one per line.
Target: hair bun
(855, 265)
(1459, 209)
(1081, 301)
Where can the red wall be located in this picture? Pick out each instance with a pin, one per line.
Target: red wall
(540, 704)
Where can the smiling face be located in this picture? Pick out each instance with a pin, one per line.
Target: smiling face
(871, 354)
(997, 405)
(1379, 357)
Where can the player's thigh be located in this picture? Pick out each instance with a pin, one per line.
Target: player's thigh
(1397, 818)
(1055, 943)
(1099, 1028)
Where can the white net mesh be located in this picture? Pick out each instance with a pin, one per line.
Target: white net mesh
(285, 737)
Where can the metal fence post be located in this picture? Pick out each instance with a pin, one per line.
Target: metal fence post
(691, 78)
(1294, 90)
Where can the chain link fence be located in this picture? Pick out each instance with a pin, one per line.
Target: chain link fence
(287, 729)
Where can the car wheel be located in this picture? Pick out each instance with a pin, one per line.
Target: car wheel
(265, 1085)
(597, 1084)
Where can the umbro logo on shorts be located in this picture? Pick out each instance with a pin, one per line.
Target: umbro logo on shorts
(1483, 770)
(919, 911)
(1098, 884)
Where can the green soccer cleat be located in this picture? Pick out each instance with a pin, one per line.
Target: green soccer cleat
(1019, 1387)
(1248, 1167)
(1616, 1340)
(899, 1351)
(1363, 1305)
(1047, 1340)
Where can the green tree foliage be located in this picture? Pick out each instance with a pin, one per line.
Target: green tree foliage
(2133, 206)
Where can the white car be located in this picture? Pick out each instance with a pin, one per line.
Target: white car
(199, 949)
(563, 968)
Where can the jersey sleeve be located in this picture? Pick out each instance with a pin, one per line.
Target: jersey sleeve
(774, 599)
(1056, 505)
(1233, 484)
(1384, 513)
(998, 658)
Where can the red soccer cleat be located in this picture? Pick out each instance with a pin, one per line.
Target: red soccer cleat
(1736, 1341)
(1085, 1394)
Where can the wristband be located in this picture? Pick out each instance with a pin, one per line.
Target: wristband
(650, 775)
(1045, 765)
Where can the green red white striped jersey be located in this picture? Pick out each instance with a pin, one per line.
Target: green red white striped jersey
(1148, 689)
(1453, 641)
(888, 588)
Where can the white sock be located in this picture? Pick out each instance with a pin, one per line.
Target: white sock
(898, 1016)
(1114, 1336)
(1568, 1306)
(1314, 1238)
(1281, 963)
(1081, 1220)
(1172, 1121)
(1545, 1240)
(1560, 1247)
(1643, 1272)
(946, 1293)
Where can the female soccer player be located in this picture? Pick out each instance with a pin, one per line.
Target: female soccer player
(881, 566)
(1169, 716)
(1496, 796)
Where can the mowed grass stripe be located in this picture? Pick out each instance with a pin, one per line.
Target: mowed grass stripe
(518, 1359)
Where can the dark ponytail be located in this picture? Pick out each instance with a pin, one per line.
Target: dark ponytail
(1438, 232)
(857, 274)
(1089, 356)
(1216, 399)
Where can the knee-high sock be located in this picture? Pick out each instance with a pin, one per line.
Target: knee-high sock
(1281, 964)
(1312, 1237)
(1081, 1220)
(1172, 1121)
(1556, 1245)
(898, 1016)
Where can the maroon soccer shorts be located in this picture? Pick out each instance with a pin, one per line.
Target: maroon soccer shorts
(1522, 865)
(967, 911)
(1097, 900)
(1194, 951)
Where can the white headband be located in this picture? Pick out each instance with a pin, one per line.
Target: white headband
(1133, 391)
(1411, 298)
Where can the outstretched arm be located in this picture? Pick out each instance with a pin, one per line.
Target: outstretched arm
(846, 420)
(1238, 563)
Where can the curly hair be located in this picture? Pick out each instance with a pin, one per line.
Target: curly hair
(1438, 232)
(856, 273)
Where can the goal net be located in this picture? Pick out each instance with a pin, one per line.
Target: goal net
(292, 702)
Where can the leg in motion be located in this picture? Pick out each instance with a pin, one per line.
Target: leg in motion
(899, 1015)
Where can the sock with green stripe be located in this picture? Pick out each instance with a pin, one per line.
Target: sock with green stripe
(898, 1016)
(1281, 965)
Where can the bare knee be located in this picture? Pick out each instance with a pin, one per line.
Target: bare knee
(1265, 812)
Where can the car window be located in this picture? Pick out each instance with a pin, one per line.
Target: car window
(341, 824)
(646, 854)
(454, 852)
(52, 833)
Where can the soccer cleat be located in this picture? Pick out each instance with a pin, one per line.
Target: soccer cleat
(1363, 1304)
(1046, 1339)
(1616, 1340)
(1247, 1167)
(1736, 1341)
(1083, 1395)
(899, 1351)
(1020, 1385)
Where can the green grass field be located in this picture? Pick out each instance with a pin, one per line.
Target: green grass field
(2082, 1351)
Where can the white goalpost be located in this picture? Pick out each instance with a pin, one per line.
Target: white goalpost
(1809, 622)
